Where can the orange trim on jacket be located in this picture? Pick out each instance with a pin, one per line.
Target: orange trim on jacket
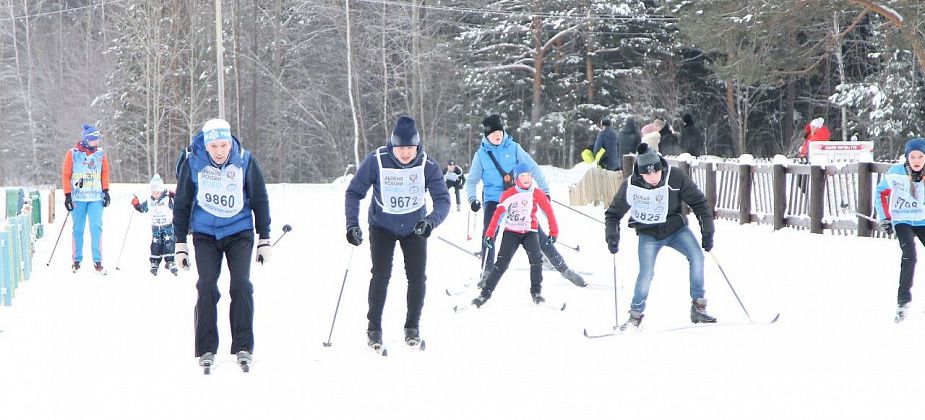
(67, 168)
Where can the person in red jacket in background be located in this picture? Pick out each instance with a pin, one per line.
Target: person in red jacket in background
(85, 180)
(518, 204)
(815, 131)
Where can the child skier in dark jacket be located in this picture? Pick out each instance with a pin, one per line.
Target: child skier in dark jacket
(160, 206)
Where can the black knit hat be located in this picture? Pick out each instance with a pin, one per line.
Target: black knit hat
(405, 133)
(491, 124)
(647, 160)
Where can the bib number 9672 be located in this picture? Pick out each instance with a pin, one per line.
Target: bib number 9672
(403, 202)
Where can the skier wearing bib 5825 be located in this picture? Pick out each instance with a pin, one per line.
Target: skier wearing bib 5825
(653, 196)
(901, 208)
(400, 175)
(219, 187)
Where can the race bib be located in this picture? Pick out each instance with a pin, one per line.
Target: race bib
(221, 191)
(903, 205)
(401, 189)
(161, 213)
(519, 208)
(648, 206)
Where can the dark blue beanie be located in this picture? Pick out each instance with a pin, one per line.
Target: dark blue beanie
(90, 133)
(917, 143)
(405, 133)
(521, 168)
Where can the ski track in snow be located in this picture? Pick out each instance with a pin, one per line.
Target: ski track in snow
(84, 346)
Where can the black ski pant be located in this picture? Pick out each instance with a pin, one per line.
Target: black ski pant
(382, 251)
(237, 250)
(550, 251)
(162, 244)
(509, 244)
(906, 234)
(454, 185)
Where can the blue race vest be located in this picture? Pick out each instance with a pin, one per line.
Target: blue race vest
(86, 176)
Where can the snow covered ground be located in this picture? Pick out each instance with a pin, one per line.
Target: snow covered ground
(84, 346)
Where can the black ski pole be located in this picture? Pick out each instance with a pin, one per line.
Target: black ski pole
(730, 286)
(579, 212)
(130, 217)
(472, 253)
(339, 295)
(286, 229)
(576, 248)
(63, 224)
(616, 312)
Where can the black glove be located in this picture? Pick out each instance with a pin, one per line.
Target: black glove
(68, 202)
(106, 198)
(550, 240)
(886, 225)
(489, 243)
(423, 228)
(706, 241)
(354, 235)
(474, 205)
(613, 242)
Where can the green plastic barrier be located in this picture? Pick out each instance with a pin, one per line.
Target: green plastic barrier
(36, 199)
(14, 200)
(15, 256)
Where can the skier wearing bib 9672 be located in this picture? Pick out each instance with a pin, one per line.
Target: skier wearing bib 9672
(653, 195)
(400, 175)
(901, 209)
(222, 197)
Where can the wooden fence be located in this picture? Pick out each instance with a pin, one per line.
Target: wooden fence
(820, 199)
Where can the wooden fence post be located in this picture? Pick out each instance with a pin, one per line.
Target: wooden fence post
(865, 197)
(709, 187)
(816, 198)
(745, 193)
(779, 184)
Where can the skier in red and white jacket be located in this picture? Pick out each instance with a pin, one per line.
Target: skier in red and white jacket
(518, 205)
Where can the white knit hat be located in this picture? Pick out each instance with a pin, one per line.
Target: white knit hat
(216, 129)
(156, 183)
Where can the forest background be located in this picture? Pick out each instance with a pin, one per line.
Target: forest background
(312, 86)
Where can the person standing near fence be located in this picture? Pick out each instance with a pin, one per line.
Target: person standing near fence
(222, 198)
(401, 175)
(607, 139)
(85, 180)
(652, 196)
(492, 165)
(815, 131)
(901, 210)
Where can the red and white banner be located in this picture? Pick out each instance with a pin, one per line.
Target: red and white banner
(824, 152)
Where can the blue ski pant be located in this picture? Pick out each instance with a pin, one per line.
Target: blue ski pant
(84, 210)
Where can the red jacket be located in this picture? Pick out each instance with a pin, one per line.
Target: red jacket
(539, 198)
(821, 134)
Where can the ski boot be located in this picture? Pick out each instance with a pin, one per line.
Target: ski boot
(374, 341)
(154, 268)
(633, 323)
(75, 266)
(901, 312)
(98, 266)
(537, 298)
(206, 361)
(573, 277)
(172, 266)
(480, 300)
(244, 360)
(699, 312)
(412, 336)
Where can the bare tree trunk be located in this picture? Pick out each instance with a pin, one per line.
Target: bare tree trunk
(787, 128)
(385, 79)
(353, 106)
(26, 87)
(418, 82)
(732, 113)
(236, 30)
(537, 106)
(841, 73)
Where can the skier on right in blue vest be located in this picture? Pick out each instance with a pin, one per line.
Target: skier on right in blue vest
(492, 165)
(901, 210)
(652, 196)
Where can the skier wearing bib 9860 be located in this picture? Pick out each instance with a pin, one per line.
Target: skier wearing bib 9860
(400, 174)
(901, 209)
(653, 196)
(222, 197)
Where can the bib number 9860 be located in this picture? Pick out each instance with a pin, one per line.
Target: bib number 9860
(220, 200)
